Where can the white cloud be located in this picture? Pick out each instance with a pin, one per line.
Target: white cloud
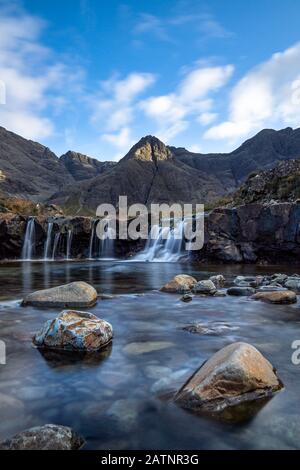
(33, 78)
(113, 107)
(121, 139)
(207, 118)
(191, 98)
(269, 95)
(203, 25)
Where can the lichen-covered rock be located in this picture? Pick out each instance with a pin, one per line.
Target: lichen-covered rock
(48, 437)
(74, 331)
(241, 291)
(276, 297)
(205, 288)
(218, 280)
(74, 295)
(237, 373)
(180, 284)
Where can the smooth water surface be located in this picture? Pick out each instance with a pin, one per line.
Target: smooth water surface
(118, 400)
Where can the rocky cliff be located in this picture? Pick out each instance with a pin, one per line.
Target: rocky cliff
(253, 233)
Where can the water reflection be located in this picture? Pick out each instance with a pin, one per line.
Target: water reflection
(115, 401)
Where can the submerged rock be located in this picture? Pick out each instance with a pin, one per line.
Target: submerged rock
(205, 288)
(186, 298)
(237, 373)
(248, 281)
(276, 297)
(73, 295)
(241, 291)
(135, 349)
(48, 437)
(214, 329)
(218, 280)
(180, 284)
(74, 331)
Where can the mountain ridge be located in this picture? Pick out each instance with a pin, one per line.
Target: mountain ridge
(150, 172)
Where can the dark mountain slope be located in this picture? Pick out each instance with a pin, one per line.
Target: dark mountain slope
(29, 170)
(148, 173)
(262, 151)
(82, 167)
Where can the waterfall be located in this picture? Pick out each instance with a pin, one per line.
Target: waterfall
(69, 243)
(106, 249)
(29, 241)
(55, 245)
(48, 241)
(92, 239)
(164, 244)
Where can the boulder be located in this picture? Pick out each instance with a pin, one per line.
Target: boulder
(218, 280)
(180, 284)
(73, 295)
(205, 288)
(279, 278)
(248, 281)
(293, 283)
(271, 288)
(47, 437)
(241, 291)
(237, 373)
(74, 331)
(276, 297)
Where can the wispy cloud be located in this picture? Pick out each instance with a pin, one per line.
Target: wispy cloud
(268, 95)
(32, 76)
(113, 106)
(191, 100)
(204, 25)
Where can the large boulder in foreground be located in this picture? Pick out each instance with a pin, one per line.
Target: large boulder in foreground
(180, 284)
(48, 437)
(276, 297)
(237, 373)
(74, 331)
(74, 295)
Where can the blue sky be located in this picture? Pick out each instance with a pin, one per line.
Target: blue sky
(96, 75)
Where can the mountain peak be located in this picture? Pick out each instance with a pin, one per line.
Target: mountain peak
(149, 149)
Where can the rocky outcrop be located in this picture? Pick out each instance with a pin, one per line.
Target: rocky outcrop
(180, 284)
(236, 374)
(47, 437)
(253, 233)
(281, 183)
(82, 167)
(277, 297)
(73, 295)
(74, 331)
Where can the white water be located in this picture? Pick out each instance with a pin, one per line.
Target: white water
(92, 240)
(48, 241)
(106, 247)
(164, 245)
(69, 243)
(55, 245)
(29, 241)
